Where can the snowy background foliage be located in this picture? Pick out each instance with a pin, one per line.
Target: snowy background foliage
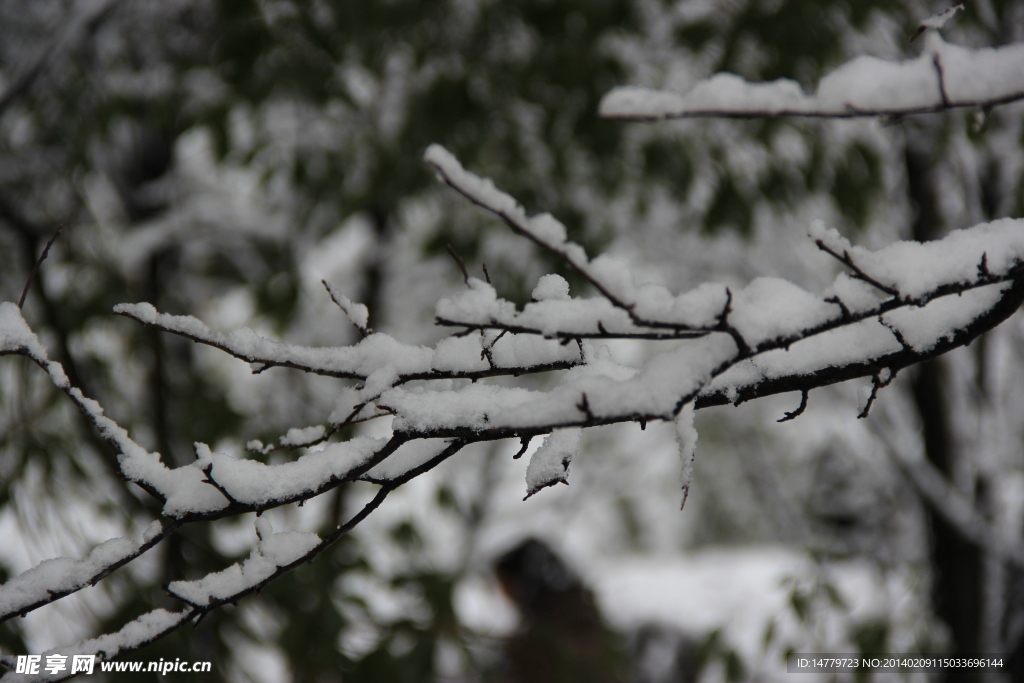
(429, 250)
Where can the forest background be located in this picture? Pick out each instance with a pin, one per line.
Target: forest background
(220, 157)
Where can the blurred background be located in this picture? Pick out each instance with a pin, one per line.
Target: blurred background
(220, 157)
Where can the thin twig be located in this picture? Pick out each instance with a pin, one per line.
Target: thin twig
(847, 260)
(208, 479)
(876, 384)
(462, 264)
(364, 330)
(800, 409)
(937, 61)
(39, 262)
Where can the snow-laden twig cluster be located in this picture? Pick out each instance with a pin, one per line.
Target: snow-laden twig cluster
(943, 77)
(892, 308)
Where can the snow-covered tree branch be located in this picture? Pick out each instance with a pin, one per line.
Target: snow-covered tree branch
(944, 77)
(896, 307)
(520, 363)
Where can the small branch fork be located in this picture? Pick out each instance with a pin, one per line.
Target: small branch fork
(879, 381)
(724, 326)
(883, 367)
(847, 260)
(520, 225)
(208, 472)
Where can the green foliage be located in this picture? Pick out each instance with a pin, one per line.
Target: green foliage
(713, 649)
(800, 39)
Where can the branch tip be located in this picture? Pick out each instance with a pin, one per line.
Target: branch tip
(800, 409)
(983, 271)
(584, 407)
(462, 264)
(39, 262)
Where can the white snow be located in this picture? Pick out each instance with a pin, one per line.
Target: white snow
(132, 635)
(548, 317)
(179, 487)
(484, 189)
(527, 350)
(846, 345)
(595, 390)
(914, 269)
(360, 360)
(408, 457)
(452, 354)
(275, 550)
(62, 574)
(599, 364)
(655, 391)
(378, 358)
(686, 437)
(939, 20)
(863, 86)
(359, 314)
(15, 334)
(698, 308)
(255, 483)
(550, 287)
(983, 74)
(549, 464)
(345, 403)
(544, 229)
(769, 308)
(740, 591)
(923, 328)
(297, 436)
(856, 295)
(875, 84)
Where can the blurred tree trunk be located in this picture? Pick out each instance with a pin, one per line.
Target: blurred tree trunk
(959, 576)
(956, 562)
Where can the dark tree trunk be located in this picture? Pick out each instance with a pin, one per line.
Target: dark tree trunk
(956, 562)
